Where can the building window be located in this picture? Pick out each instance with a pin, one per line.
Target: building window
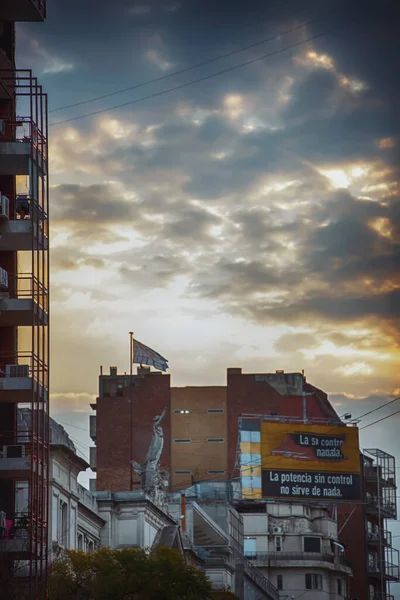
(279, 582)
(182, 440)
(278, 543)
(307, 511)
(216, 440)
(216, 472)
(64, 523)
(183, 472)
(182, 411)
(80, 541)
(313, 581)
(339, 587)
(215, 410)
(250, 547)
(312, 544)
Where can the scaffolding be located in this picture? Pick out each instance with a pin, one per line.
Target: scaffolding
(24, 325)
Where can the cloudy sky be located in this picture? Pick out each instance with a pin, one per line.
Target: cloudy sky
(249, 217)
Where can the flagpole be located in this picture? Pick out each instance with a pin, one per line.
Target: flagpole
(131, 355)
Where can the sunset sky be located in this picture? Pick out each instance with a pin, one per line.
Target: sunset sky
(250, 219)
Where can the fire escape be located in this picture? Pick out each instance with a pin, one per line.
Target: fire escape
(24, 311)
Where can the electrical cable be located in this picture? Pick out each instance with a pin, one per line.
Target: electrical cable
(375, 409)
(188, 83)
(190, 68)
(379, 420)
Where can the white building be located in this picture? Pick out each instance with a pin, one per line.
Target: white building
(74, 522)
(296, 546)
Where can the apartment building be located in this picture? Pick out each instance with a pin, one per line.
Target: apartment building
(297, 546)
(24, 310)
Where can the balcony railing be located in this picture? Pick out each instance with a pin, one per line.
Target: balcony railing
(387, 508)
(269, 557)
(35, 368)
(374, 472)
(379, 535)
(26, 286)
(384, 568)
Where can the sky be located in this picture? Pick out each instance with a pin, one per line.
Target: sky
(248, 218)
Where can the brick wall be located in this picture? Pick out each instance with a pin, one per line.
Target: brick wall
(117, 416)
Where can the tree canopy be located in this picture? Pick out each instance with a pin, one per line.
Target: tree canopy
(128, 574)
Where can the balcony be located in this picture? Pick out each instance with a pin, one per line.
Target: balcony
(374, 538)
(26, 147)
(14, 461)
(304, 559)
(383, 507)
(22, 375)
(23, 10)
(25, 302)
(27, 220)
(376, 569)
(374, 472)
(16, 540)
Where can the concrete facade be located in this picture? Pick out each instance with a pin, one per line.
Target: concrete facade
(293, 545)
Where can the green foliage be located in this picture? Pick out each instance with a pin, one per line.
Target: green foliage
(130, 574)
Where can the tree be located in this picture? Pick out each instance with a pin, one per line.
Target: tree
(129, 574)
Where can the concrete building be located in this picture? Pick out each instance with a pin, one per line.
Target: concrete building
(297, 547)
(24, 308)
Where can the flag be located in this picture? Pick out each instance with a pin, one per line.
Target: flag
(144, 355)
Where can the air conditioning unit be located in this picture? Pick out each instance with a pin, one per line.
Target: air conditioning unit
(4, 207)
(3, 280)
(14, 451)
(17, 370)
(277, 530)
(2, 127)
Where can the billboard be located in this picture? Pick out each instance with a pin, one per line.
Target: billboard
(318, 462)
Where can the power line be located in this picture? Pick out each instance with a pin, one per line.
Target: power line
(190, 68)
(375, 409)
(188, 83)
(379, 420)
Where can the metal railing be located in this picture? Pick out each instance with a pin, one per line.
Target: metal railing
(37, 368)
(378, 535)
(27, 286)
(389, 570)
(231, 557)
(373, 472)
(269, 557)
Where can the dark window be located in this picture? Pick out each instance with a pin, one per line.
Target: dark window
(312, 544)
(313, 581)
(279, 582)
(219, 440)
(182, 440)
(215, 410)
(216, 471)
(339, 586)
